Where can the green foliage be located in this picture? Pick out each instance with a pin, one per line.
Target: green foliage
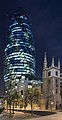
(1, 110)
(34, 96)
(20, 101)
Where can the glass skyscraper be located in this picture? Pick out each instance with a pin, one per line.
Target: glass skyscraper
(20, 50)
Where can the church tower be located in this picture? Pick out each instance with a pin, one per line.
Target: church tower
(51, 84)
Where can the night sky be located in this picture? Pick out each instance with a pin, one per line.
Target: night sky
(46, 22)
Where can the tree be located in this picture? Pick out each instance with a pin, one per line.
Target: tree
(33, 97)
(20, 101)
(8, 98)
(30, 97)
(15, 96)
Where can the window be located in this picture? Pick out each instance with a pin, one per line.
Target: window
(22, 81)
(56, 90)
(57, 83)
(23, 77)
(21, 92)
(56, 73)
(49, 73)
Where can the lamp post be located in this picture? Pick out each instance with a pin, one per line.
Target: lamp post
(51, 105)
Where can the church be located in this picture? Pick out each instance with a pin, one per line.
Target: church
(51, 84)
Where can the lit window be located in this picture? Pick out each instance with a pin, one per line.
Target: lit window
(23, 77)
(22, 81)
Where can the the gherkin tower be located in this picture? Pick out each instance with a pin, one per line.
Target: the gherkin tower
(19, 51)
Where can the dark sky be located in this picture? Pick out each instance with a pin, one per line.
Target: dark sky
(46, 19)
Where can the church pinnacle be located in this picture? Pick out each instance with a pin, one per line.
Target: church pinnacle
(52, 62)
(59, 63)
(45, 61)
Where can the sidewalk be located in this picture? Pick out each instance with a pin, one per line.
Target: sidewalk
(18, 116)
(28, 116)
(57, 116)
(52, 117)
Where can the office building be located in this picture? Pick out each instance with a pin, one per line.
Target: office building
(19, 50)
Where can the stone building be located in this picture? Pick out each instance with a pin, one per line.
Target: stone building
(51, 84)
(61, 87)
(28, 81)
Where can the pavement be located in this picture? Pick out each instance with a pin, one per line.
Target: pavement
(27, 116)
(57, 116)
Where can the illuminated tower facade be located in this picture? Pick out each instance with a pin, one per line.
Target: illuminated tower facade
(51, 84)
(19, 51)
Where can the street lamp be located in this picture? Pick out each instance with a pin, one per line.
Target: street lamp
(51, 105)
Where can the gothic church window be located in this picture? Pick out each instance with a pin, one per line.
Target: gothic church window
(56, 90)
(56, 82)
(21, 92)
(56, 73)
(49, 73)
